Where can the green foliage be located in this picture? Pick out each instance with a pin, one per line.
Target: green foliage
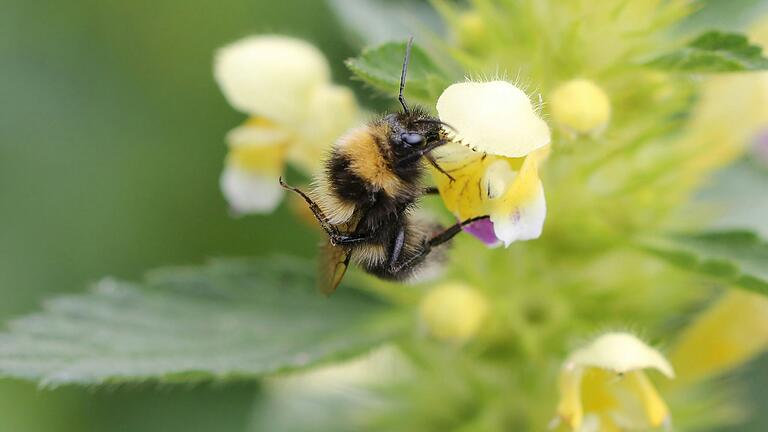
(230, 319)
(737, 194)
(714, 51)
(381, 66)
(245, 319)
(723, 15)
(736, 257)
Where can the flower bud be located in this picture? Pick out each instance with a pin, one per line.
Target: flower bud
(453, 312)
(471, 29)
(580, 106)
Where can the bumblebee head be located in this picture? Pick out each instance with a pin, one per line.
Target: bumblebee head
(413, 132)
(414, 127)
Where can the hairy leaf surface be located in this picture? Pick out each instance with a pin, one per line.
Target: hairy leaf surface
(381, 66)
(735, 257)
(233, 319)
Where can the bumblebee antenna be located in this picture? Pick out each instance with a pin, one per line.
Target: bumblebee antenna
(400, 97)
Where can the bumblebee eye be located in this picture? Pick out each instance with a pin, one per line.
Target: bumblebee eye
(412, 139)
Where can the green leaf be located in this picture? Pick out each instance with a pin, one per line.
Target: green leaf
(231, 319)
(723, 15)
(735, 257)
(381, 67)
(736, 197)
(714, 51)
(379, 21)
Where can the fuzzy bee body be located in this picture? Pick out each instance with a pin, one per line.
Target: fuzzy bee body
(365, 198)
(367, 190)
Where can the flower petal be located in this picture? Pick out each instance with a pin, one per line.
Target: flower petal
(255, 161)
(258, 146)
(332, 111)
(570, 409)
(250, 192)
(463, 196)
(641, 406)
(621, 353)
(493, 117)
(728, 334)
(524, 222)
(483, 231)
(271, 76)
(518, 214)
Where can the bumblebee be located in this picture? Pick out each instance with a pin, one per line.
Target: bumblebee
(365, 199)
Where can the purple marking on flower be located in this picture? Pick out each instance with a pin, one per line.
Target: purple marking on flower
(760, 147)
(483, 230)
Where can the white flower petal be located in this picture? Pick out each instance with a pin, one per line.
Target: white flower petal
(493, 117)
(621, 353)
(249, 192)
(271, 76)
(525, 223)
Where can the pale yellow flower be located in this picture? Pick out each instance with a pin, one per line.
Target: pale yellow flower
(453, 312)
(271, 76)
(493, 117)
(296, 113)
(255, 160)
(580, 106)
(500, 142)
(333, 110)
(731, 332)
(603, 386)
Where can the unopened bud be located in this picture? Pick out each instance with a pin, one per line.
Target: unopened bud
(580, 106)
(453, 312)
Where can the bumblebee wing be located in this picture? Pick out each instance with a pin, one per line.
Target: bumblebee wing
(333, 264)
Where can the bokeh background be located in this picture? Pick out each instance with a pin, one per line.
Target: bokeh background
(111, 144)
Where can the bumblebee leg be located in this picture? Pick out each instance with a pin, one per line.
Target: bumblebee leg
(436, 240)
(397, 247)
(346, 240)
(434, 163)
(316, 210)
(452, 230)
(431, 191)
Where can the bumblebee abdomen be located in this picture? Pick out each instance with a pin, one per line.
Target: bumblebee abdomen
(411, 263)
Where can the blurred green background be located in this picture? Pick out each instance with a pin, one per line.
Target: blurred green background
(111, 144)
